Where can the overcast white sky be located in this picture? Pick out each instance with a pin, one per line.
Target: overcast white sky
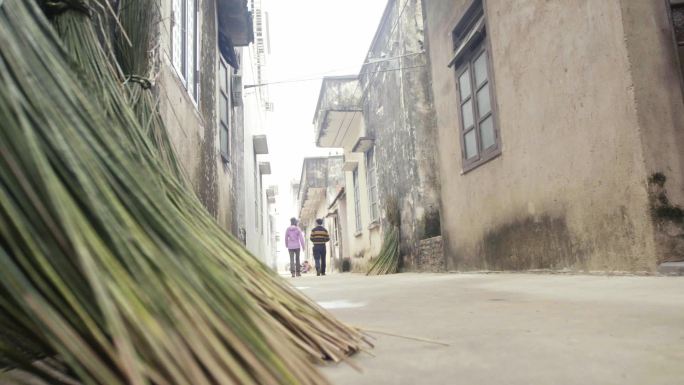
(309, 38)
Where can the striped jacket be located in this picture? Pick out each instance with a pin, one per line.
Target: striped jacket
(319, 235)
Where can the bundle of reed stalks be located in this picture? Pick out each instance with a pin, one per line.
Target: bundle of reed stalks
(108, 261)
(134, 42)
(387, 261)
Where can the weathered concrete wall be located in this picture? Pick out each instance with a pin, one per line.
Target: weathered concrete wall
(660, 111)
(193, 125)
(399, 114)
(334, 177)
(579, 140)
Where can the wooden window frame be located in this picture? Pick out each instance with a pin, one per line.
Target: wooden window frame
(468, 48)
(484, 155)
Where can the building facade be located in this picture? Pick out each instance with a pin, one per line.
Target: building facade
(383, 119)
(255, 122)
(321, 184)
(203, 49)
(560, 131)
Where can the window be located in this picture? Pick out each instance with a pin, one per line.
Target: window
(257, 195)
(335, 232)
(185, 44)
(224, 111)
(357, 200)
(372, 182)
(479, 134)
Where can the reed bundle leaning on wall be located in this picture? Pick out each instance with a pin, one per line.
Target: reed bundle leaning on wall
(388, 260)
(106, 258)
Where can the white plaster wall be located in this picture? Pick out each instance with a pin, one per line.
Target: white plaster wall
(367, 242)
(254, 124)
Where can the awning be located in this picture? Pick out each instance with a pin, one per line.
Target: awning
(473, 37)
(235, 28)
(363, 144)
(265, 168)
(260, 144)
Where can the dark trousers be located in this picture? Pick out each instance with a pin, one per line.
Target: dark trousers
(319, 257)
(294, 261)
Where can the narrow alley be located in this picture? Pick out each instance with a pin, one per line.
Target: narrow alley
(513, 329)
(325, 192)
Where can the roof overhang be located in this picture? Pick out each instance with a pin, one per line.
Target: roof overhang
(339, 112)
(260, 144)
(471, 39)
(313, 199)
(363, 144)
(321, 177)
(337, 126)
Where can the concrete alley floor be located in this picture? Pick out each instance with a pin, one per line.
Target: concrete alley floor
(509, 328)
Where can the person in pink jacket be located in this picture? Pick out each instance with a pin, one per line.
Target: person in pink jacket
(294, 241)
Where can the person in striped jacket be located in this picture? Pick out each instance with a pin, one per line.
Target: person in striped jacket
(319, 237)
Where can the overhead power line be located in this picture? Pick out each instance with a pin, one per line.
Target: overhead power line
(321, 77)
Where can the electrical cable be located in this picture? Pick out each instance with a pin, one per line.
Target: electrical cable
(322, 77)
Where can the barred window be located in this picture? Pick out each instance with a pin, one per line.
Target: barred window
(372, 182)
(224, 110)
(357, 200)
(185, 44)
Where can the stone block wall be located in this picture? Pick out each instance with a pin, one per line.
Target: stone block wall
(431, 255)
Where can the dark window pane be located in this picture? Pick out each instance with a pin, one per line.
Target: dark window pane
(678, 21)
(223, 109)
(224, 140)
(471, 144)
(467, 112)
(481, 69)
(223, 77)
(488, 134)
(484, 103)
(464, 85)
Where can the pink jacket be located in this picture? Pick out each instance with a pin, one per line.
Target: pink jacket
(294, 239)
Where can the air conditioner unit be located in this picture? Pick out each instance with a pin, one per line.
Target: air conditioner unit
(236, 88)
